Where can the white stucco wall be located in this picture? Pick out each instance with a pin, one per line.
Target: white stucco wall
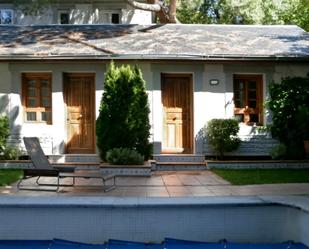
(282, 71)
(209, 101)
(135, 16)
(53, 136)
(5, 88)
(82, 13)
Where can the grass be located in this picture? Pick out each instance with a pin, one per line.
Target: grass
(9, 176)
(263, 176)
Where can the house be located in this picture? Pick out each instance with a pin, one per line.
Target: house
(52, 79)
(72, 12)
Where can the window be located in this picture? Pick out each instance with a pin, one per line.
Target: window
(6, 16)
(115, 18)
(109, 16)
(37, 99)
(248, 99)
(63, 17)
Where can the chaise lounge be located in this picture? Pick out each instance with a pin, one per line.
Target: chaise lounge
(42, 167)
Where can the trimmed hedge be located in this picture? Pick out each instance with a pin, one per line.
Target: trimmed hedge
(221, 135)
(124, 156)
(123, 120)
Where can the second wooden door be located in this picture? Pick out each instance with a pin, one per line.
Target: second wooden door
(177, 110)
(79, 98)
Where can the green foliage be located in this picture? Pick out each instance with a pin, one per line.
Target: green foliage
(245, 12)
(192, 13)
(289, 103)
(278, 152)
(11, 153)
(263, 176)
(123, 120)
(9, 176)
(7, 152)
(33, 7)
(221, 135)
(4, 132)
(124, 156)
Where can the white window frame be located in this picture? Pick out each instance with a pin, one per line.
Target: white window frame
(63, 12)
(110, 13)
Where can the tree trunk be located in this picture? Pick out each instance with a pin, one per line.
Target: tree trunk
(166, 14)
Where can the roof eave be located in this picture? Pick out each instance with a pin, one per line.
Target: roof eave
(155, 57)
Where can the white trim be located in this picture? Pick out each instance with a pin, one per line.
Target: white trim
(63, 12)
(109, 14)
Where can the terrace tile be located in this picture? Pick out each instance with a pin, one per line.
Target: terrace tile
(161, 184)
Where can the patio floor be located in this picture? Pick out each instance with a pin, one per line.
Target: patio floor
(164, 184)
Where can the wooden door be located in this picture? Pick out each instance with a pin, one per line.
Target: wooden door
(177, 95)
(80, 102)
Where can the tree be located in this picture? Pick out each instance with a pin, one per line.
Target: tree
(245, 12)
(165, 12)
(123, 120)
(289, 103)
(34, 7)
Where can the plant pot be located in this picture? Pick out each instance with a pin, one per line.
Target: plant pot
(306, 147)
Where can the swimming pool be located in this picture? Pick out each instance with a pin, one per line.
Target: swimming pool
(98, 219)
(166, 244)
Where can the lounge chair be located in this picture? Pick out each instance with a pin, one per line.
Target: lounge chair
(42, 167)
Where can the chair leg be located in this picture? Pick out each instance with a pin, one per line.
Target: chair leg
(37, 180)
(19, 182)
(106, 189)
(19, 187)
(58, 181)
(52, 184)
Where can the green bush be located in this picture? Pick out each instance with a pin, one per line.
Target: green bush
(7, 152)
(289, 103)
(278, 152)
(4, 132)
(221, 135)
(11, 153)
(124, 156)
(124, 112)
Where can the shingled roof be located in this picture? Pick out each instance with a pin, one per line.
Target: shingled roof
(178, 41)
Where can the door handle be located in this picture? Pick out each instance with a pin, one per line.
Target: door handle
(174, 118)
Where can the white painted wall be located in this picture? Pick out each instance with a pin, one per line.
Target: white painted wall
(282, 71)
(210, 101)
(5, 88)
(135, 16)
(83, 13)
(52, 136)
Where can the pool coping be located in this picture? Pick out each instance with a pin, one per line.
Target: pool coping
(300, 202)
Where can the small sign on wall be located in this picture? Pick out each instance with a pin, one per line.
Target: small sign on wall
(213, 82)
